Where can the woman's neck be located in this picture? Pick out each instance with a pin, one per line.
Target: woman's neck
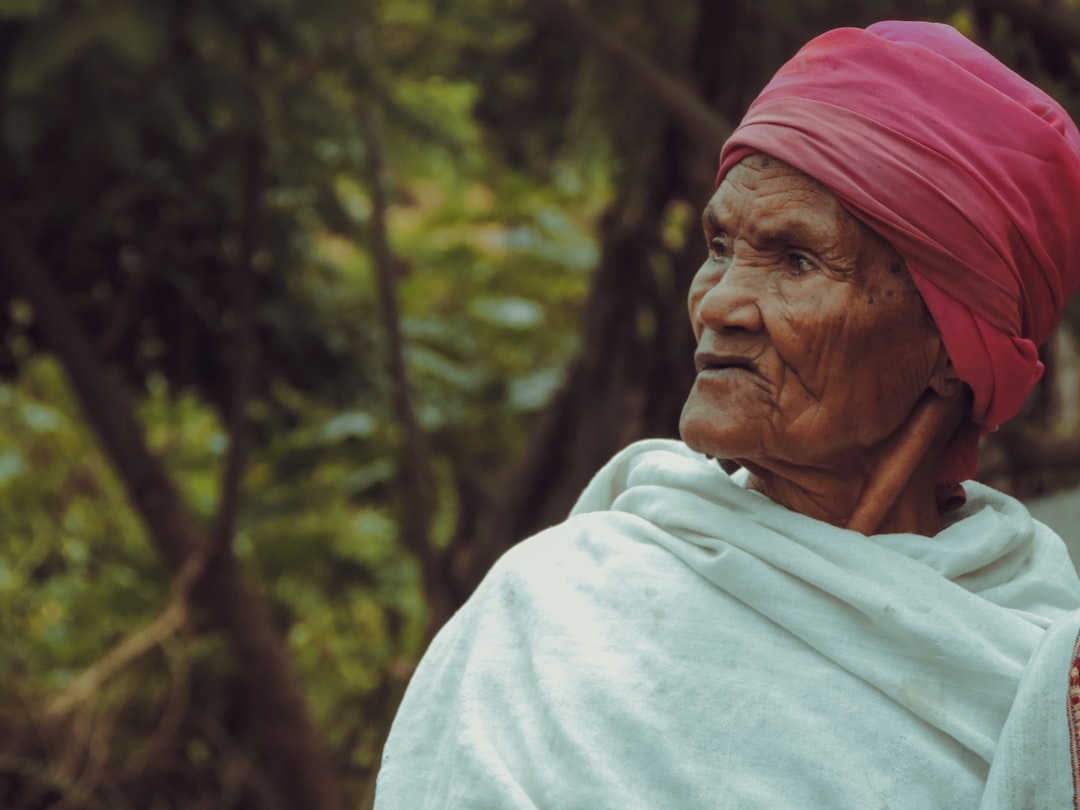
(893, 491)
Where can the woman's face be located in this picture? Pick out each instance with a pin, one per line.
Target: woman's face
(813, 346)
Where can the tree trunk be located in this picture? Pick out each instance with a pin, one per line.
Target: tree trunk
(416, 480)
(290, 747)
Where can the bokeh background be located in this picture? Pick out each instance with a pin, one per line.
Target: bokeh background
(310, 309)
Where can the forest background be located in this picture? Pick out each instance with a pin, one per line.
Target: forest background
(309, 310)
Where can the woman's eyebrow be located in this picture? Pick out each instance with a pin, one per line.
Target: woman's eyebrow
(772, 233)
(791, 233)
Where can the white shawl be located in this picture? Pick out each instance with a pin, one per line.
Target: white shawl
(682, 642)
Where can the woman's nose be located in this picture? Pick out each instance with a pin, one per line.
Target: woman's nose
(725, 301)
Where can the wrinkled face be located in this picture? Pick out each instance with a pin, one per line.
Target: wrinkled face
(813, 346)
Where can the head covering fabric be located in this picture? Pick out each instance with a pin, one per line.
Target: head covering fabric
(972, 174)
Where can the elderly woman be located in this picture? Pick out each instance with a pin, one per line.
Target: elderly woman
(840, 624)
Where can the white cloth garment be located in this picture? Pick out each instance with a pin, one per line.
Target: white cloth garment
(683, 642)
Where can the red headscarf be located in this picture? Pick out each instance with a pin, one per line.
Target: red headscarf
(968, 170)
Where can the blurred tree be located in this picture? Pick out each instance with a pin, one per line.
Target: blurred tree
(189, 218)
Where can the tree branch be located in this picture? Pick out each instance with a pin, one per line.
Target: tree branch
(679, 99)
(285, 732)
(243, 360)
(418, 479)
(149, 487)
(174, 616)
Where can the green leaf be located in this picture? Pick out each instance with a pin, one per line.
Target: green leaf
(353, 424)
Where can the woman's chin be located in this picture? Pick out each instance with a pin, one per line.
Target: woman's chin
(706, 437)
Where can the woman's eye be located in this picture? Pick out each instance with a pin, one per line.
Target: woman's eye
(800, 264)
(718, 248)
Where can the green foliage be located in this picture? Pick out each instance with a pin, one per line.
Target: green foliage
(126, 140)
(69, 547)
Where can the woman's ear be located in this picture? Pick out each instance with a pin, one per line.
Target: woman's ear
(945, 382)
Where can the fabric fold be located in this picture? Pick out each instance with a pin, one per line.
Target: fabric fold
(683, 642)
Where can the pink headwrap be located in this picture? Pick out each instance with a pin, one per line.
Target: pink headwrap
(968, 170)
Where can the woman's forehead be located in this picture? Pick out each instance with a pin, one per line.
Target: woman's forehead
(763, 176)
(770, 200)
